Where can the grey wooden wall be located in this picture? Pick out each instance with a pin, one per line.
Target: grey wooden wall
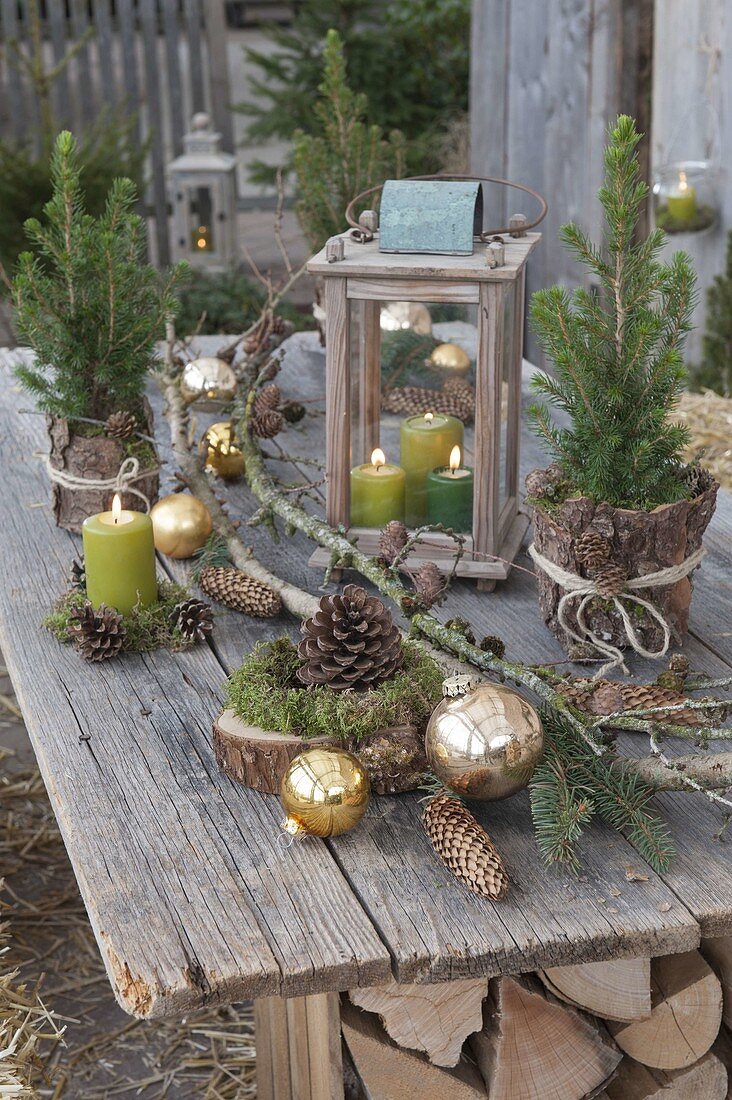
(546, 79)
(160, 59)
(692, 119)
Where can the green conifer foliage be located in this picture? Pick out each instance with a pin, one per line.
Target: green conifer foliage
(86, 301)
(346, 156)
(715, 370)
(619, 370)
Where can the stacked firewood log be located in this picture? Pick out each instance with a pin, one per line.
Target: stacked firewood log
(627, 1029)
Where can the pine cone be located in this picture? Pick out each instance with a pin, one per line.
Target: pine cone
(267, 399)
(351, 642)
(98, 635)
(494, 645)
(592, 550)
(77, 576)
(293, 412)
(267, 424)
(239, 591)
(610, 580)
(193, 619)
(395, 759)
(120, 425)
(611, 697)
(429, 583)
(392, 540)
(465, 847)
(542, 483)
(414, 400)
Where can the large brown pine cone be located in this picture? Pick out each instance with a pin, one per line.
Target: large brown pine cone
(457, 400)
(592, 550)
(351, 642)
(465, 847)
(612, 697)
(239, 591)
(193, 619)
(610, 580)
(98, 635)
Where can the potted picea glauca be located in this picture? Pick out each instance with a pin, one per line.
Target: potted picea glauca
(91, 309)
(618, 503)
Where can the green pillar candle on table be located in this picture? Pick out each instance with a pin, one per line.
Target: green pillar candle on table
(426, 443)
(119, 559)
(682, 202)
(450, 494)
(377, 492)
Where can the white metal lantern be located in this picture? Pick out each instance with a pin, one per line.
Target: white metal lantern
(203, 188)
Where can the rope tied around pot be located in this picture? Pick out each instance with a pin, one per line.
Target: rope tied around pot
(584, 589)
(128, 473)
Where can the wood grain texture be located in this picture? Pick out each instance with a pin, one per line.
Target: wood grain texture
(704, 1080)
(255, 757)
(436, 1019)
(686, 1014)
(338, 410)
(615, 990)
(488, 377)
(718, 953)
(365, 261)
(369, 381)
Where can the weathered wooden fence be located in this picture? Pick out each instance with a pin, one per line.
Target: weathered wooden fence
(546, 80)
(160, 59)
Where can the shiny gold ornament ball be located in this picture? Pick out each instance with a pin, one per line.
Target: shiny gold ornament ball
(451, 359)
(223, 455)
(325, 792)
(207, 379)
(485, 743)
(181, 525)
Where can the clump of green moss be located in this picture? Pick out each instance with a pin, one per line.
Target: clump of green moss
(265, 692)
(147, 628)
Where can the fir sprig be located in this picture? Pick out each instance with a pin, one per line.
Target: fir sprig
(619, 371)
(86, 301)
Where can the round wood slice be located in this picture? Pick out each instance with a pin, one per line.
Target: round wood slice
(255, 757)
(619, 989)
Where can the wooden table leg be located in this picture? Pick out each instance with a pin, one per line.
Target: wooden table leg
(299, 1048)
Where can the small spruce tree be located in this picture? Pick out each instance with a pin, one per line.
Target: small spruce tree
(618, 353)
(346, 156)
(715, 370)
(86, 301)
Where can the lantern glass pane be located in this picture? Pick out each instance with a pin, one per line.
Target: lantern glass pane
(201, 219)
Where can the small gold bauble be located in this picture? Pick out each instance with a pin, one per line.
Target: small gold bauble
(451, 359)
(325, 792)
(207, 379)
(484, 743)
(181, 525)
(397, 316)
(223, 455)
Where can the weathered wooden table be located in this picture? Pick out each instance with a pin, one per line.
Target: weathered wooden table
(192, 900)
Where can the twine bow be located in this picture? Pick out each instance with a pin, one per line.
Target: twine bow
(128, 472)
(575, 586)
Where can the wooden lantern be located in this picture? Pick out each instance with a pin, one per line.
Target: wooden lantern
(203, 192)
(359, 277)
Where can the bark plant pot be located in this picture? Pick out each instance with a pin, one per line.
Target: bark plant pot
(641, 543)
(96, 458)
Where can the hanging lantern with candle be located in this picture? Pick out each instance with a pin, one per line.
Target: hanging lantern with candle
(685, 196)
(203, 189)
(455, 475)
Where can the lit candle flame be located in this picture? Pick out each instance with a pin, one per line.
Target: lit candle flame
(429, 417)
(683, 185)
(116, 508)
(378, 458)
(454, 459)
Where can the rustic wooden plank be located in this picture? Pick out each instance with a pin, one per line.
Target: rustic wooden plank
(171, 31)
(270, 1033)
(369, 381)
(338, 412)
(366, 262)
(105, 50)
(411, 290)
(16, 83)
(153, 103)
(131, 79)
(488, 375)
(192, 10)
(61, 93)
(490, 42)
(83, 71)
(218, 71)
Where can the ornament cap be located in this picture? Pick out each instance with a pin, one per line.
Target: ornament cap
(457, 684)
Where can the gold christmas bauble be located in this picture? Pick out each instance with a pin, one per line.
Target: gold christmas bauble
(207, 379)
(451, 359)
(181, 525)
(397, 316)
(325, 792)
(223, 455)
(484, 742)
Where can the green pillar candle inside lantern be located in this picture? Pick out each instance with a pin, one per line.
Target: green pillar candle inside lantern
(426, 443)
(377, 492)
(450, 494)
(119, 559)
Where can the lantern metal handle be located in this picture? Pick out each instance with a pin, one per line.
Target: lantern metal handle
(363, 235)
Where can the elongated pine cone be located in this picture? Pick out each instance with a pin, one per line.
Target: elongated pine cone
(592, 550)
(429, 583)
(98, 635)
(392, 540)
(610, 580)
(351, 642)
(192, 618)
(267, 399)
(465, 847)
(268, 423)
(77, 575)
(120, 425)
(239, 591)
(613, 697)
(414, 400)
